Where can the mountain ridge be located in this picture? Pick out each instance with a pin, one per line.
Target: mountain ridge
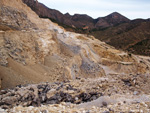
(77, 20)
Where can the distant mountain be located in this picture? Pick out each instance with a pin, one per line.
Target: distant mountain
(81, 21)
(111, 20)
(133, 36)
(114, 29)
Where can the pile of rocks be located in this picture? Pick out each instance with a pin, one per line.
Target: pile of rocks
(79, 95)
(46, 93)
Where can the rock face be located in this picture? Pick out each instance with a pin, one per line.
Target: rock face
(78, 20)
(14, 19)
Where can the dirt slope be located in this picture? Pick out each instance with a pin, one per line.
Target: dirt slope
(49, 53)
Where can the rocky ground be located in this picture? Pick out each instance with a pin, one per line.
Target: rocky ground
(110, 94)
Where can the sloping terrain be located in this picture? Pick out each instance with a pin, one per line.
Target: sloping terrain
(133, 36)
(114, 29)
(39, 57)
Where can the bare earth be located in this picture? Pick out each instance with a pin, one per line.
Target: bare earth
(44, 68)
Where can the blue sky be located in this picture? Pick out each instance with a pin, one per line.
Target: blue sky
(98, 8)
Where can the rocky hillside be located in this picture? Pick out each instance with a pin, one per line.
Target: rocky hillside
(44, 65)
(133, 36)
(114, 29)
